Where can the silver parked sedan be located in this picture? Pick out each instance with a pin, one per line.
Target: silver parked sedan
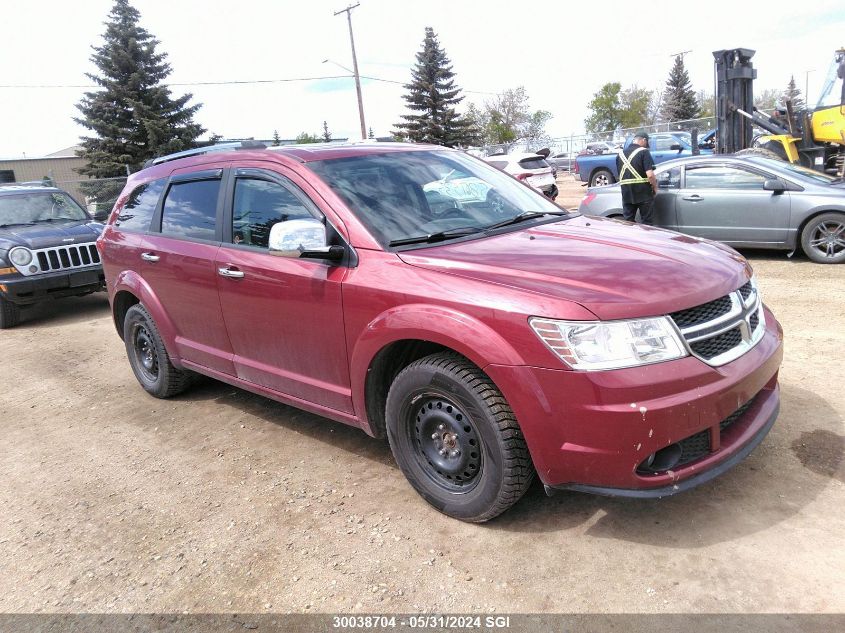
(744, 201)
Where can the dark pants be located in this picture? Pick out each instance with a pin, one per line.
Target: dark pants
(646, 208)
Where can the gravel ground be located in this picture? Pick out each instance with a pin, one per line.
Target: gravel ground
(219, 500)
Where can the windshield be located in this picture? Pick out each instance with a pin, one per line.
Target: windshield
(402, 195)
(29, 208)
(833, 90)
(797, 170)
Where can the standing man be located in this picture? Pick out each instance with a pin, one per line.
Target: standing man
(636, 179)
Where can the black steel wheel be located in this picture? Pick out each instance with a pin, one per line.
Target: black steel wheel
(10, 314)
(456, 439)
(823, 238)
(148, 357)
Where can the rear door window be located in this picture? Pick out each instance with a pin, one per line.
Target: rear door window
(669, 179)
(190, 210)
(138, 211)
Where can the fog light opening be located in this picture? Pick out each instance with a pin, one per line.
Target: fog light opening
(663, 460)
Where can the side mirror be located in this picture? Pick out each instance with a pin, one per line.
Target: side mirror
(676, 146)
(774, 185)
(303, 238)
(101, 215)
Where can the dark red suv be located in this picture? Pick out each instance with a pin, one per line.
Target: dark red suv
(419, 293)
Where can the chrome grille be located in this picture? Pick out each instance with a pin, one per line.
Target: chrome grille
(722, 330)
(70, 257)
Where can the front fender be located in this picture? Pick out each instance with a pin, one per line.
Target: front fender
(130, 281)
(437, 324)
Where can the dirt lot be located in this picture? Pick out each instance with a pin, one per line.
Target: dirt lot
(223, 501)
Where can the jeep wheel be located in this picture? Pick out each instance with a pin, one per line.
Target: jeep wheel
(823, 239)
(10, 314)
(456, 439)
(601, 178)
(149, 358)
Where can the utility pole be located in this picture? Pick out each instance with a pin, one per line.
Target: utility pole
(348, 12)
(681, 54)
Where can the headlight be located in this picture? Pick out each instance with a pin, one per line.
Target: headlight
(20, 256)
(610, 344)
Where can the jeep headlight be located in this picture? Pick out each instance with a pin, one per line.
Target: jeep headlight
(20, 256)
(610, 344)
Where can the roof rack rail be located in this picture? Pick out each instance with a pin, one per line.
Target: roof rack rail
(198, 151)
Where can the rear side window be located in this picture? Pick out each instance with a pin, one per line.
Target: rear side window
(669, 179)
(259, 205)
(190, 210)
(498, 164)
(139, 208)
(533, 163)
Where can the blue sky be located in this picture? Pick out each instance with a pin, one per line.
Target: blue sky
(561, 52)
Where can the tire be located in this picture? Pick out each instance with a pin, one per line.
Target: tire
(601, 178)
(823, 238)
(759, 151)
(456, 439)
(10, 314)
(148, 357)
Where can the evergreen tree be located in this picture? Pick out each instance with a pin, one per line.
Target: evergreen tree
(277, 140)
(792, 93)
(679, 102)
(433, 95)
(133, 116)
(327, 136)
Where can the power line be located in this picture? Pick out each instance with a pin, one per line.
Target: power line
(228, 82)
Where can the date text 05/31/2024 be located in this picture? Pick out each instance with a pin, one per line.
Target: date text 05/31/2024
(421, 621)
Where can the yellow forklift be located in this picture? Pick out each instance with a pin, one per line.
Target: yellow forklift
(812, 137)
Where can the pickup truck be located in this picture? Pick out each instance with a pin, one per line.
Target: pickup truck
(600, 170)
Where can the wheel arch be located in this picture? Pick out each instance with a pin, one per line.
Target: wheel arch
(403, 335)
(130, 289)
(814, 214)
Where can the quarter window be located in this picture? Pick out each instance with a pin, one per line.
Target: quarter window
(139, 208)
(259, 204)
(190, 209)
(722, 178)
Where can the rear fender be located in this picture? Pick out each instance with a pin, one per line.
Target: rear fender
(130, 281)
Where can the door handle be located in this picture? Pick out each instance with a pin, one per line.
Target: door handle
(693, 198)
(226, 271)
(150, 257)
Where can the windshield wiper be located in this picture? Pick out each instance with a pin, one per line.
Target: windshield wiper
(522, 217)
(3, 226)
(436, 237)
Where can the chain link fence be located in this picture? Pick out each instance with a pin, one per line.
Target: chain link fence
(577, 142)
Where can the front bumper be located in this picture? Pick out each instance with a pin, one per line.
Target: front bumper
(593, 431)
(28, 290)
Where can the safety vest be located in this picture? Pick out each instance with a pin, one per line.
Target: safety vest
(627, 166)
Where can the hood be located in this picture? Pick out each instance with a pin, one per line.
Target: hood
(45, 234)
(614, 269)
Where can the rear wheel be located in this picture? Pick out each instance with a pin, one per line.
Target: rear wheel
(148, 357)
(823, 239)
(10, 314)
(601, 178)
(456, 439)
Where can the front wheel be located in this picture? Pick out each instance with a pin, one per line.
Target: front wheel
(823, 239)
(601, 178)
(456, 439)
(10, 314)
